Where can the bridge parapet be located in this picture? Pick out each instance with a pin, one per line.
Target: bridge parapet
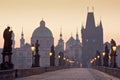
(111, 71)
(17, 73)
(7, 75)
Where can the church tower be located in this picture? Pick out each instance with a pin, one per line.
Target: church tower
(59, 48)
(92, 39)
(61, 42)
(77, 38)
(22, 40)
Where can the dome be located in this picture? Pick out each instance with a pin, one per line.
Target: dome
(42, 31)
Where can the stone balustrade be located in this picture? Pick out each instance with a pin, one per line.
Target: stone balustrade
(7, 75)
(17, 73)
(111, 71)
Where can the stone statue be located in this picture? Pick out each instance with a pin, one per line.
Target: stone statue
(7, 50)
(113, 43)
(7, 35)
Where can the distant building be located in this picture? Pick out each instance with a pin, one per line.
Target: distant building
(59, 49)
(72, 51)
(118, 56)
(22, 40)
(92, 39)
(46, 40)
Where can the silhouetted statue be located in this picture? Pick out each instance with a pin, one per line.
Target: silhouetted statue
(113, 43)
(7, 35)
(7, 50)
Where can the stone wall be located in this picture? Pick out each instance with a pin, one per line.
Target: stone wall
(28, 72)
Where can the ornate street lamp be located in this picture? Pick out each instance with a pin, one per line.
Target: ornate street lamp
(33, 50)
(58, 56)
(61, 59)
(98, 61)
(114, 48)
(103, 54)
(98, 57)
(52, 56)
(113, 54)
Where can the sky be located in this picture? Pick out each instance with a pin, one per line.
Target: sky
(66, 14)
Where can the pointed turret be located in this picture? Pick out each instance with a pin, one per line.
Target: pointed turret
(100, 24)
(22, 40)
(77, 37)
(61, 42)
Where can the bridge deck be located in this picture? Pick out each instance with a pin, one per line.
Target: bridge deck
(71, 74)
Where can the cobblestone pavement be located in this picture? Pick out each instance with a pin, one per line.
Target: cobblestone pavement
(71, 74)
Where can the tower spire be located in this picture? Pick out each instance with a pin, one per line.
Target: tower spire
(71, 34)
(22, 35)
(77, 34)
(60, 33)
(22, 40)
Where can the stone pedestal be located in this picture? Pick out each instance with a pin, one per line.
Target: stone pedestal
(6, 63)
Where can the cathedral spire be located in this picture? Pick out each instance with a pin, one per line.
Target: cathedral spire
(22, 40)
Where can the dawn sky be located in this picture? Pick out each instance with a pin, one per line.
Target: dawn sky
(68, 14)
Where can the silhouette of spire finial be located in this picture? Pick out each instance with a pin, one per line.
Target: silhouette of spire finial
(77, 33)
(60, 33)
(71, 34)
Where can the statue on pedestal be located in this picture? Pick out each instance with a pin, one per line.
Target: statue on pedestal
(7, 49)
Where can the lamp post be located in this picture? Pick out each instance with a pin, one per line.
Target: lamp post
(98, 58)
(51, 59)
(52, 56)
(32, 49)
(37, 56)
(103, 54)
(106, 56)
(61, 58)
(114, 51)
(113, 54)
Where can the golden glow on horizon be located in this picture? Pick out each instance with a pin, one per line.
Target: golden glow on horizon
(68, 14)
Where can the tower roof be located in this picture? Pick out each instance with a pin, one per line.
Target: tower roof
(90, 22)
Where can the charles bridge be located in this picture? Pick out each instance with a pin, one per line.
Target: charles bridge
(20, 74)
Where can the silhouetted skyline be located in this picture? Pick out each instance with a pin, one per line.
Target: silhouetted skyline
(68, 14)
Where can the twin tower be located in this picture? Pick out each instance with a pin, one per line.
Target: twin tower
(92, 39)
